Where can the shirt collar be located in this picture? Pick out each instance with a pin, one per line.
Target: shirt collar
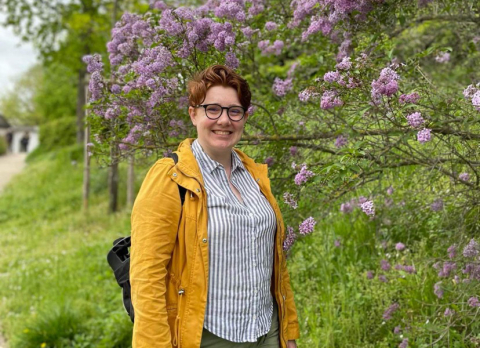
(209, 164)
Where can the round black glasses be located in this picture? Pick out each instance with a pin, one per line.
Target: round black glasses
(214, 111)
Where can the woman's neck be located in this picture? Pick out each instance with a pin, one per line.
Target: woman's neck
(222, 157)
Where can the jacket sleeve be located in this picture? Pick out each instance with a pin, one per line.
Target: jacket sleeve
(155, 218)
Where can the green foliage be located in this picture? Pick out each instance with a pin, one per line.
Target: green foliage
(57, 133)
(39, 95)
(3, 146)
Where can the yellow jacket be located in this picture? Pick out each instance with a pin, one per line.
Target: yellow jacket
(169, 255)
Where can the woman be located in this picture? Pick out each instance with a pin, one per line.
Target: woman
(211, 272)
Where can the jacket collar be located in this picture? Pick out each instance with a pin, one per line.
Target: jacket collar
(188, 164)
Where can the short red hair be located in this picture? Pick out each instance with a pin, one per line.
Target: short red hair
(217, 75)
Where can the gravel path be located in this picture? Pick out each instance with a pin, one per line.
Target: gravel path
(10, 165)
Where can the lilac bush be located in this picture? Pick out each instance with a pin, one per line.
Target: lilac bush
(361, 115)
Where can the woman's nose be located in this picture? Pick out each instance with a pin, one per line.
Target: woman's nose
(224, 119)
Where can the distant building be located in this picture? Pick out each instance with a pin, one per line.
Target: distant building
(24, 138)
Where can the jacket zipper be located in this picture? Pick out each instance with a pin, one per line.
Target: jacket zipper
(176, 339)
(280, 290)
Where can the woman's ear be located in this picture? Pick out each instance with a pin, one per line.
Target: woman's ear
(193, 115)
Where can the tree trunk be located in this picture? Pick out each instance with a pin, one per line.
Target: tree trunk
(81, 106)
(86, 163)
(113, 173)
(131, 181)
(113, 180)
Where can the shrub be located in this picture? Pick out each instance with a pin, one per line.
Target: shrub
(58, 133)
(3, 146)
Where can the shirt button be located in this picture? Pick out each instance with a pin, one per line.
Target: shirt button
(204, 240)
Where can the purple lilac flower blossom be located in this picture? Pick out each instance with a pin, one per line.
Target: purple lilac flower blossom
(382, 278)
(331, 76)
(471, 249)
(289, 200)
(399, 246)
(473, 302)
(415, 120)
(290, 239)
(307, 226)
(387, 315)
(448, 312)
(424, 135)
(470, 91)
(385, 265)
(362, 199)
(341, 141)
(269, 161)
(346, 207)
(442, 57)
(464, 177)
(303, 175)
(437, 204)
(447, 269)
(293, 150)
(476, 100)
(337, 243)
(282, 87)
(412, 98)
(345, 64)
(330, 100)
(368, 208)
(369, 274)
(390, 190)
(94, 63)
(452, 251)
(271, 26)
(397, 330)
(409, 269)
(437, 290)
(404, 343)
(385, 85)
(231, 60)
(267, 49)
(306, 95)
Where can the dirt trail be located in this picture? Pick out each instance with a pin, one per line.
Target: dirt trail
(10, 165)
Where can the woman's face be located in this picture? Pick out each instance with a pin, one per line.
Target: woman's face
(218, 136)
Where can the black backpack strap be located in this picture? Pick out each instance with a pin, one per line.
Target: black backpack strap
(182, 190)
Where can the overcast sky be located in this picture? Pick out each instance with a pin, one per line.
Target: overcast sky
(15, 57)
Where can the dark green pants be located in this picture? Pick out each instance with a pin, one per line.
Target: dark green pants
(270, 340)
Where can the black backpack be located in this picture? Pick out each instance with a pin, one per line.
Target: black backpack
(119, 259)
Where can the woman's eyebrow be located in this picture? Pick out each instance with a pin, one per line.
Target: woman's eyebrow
(221, 104)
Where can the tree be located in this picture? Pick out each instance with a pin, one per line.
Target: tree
(36, 98)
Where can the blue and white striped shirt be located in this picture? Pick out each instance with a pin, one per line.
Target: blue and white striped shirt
(241, 244)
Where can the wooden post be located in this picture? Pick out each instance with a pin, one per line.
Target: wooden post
(86, 158)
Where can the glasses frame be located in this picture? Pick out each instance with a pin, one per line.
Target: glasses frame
(221, 113)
